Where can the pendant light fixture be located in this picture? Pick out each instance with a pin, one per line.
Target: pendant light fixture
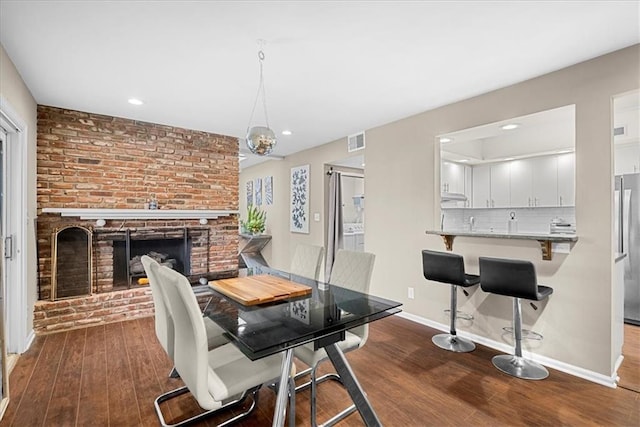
(260, 139)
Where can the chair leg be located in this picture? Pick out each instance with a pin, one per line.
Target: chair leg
(313, 383)
(227, 405)
(451, 341)
(515, 364)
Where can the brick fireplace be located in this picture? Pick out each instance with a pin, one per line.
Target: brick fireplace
(94, 162)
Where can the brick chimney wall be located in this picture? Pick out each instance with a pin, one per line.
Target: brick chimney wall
(87, 160)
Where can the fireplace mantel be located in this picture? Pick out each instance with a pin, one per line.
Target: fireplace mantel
(105, 214)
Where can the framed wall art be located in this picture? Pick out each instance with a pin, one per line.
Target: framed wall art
(249, 187)
(300, 199)
(268, 190)
(258, 190)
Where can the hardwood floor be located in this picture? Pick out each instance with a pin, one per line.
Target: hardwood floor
(110, 375)
(629, 371)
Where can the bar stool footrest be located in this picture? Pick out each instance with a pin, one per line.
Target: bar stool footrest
(460, 315)
(527, 334)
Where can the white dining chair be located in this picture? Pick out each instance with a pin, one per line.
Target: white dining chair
(306, 261)
(164, 323)
(350, 270)
(218, 379)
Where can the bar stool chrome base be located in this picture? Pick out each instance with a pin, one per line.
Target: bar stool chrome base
(453, 343)
(520, 367)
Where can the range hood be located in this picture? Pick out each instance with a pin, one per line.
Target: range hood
(446, 197)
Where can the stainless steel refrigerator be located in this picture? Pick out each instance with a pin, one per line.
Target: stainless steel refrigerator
(627, 225)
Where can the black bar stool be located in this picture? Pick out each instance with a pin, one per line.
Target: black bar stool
(517, 279)
(448, 268)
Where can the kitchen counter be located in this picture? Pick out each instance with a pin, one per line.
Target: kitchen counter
(545, 239)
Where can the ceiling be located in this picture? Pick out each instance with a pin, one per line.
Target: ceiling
(331, 68)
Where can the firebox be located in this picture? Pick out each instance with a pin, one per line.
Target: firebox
(172, 252)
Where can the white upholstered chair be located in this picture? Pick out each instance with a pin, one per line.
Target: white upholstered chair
(217, 379)
(306, 261)
(350, 270)
(163, 321)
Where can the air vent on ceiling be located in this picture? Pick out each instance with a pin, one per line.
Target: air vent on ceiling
(620, 130)
(355, 142)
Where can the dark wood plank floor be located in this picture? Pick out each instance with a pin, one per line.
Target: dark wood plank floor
(629, 371)
(109, 376)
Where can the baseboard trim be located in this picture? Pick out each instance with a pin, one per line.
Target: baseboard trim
(30, 337)
(505, 348)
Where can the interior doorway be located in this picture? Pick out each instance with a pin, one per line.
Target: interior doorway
(353, 201)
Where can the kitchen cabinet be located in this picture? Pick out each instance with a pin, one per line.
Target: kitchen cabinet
(566, 179)
(491, 186)
(500, 188)
(534, 182)
(453, 177)
(546, 181)
(456, 179)
(627, 159)
(481, 186)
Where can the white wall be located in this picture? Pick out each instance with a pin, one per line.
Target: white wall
(402, 163)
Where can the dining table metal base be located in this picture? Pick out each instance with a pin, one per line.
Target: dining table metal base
(349, 380)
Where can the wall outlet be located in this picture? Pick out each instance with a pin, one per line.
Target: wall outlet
(560, 247)
(316, 217)
(410, 293)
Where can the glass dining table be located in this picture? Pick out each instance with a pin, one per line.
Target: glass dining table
(320, 317)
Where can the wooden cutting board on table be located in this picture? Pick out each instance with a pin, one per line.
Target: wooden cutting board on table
(259, 289)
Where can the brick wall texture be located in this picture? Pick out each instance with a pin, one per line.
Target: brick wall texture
(87, 160)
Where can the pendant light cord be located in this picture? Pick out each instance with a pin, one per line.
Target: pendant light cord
(261, 90)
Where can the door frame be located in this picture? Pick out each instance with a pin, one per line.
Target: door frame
(17, 336)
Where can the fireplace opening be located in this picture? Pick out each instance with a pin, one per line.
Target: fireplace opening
(127, 269)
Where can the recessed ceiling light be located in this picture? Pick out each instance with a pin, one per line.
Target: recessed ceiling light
(510, 126)
(135, 101)
(286, 132)
(445, 140)
(363, 165)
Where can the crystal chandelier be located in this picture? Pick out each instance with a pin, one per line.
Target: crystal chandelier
(260, 139)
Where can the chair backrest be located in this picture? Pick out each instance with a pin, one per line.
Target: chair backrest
(444, 267)
(353, 270)
(163, 320)
(191, 348)
(306, 261)
(510, 277)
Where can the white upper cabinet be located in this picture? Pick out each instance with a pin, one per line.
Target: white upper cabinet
(491, 186)
(627, 158)
(452, 178)
(481, 186)
(544, 188)
(545, 181)
(500, 188)
(521, 183)
(567, 179)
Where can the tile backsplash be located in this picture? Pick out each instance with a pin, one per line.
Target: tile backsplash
(530, 220)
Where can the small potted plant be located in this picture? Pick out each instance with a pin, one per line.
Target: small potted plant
(256, 219)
